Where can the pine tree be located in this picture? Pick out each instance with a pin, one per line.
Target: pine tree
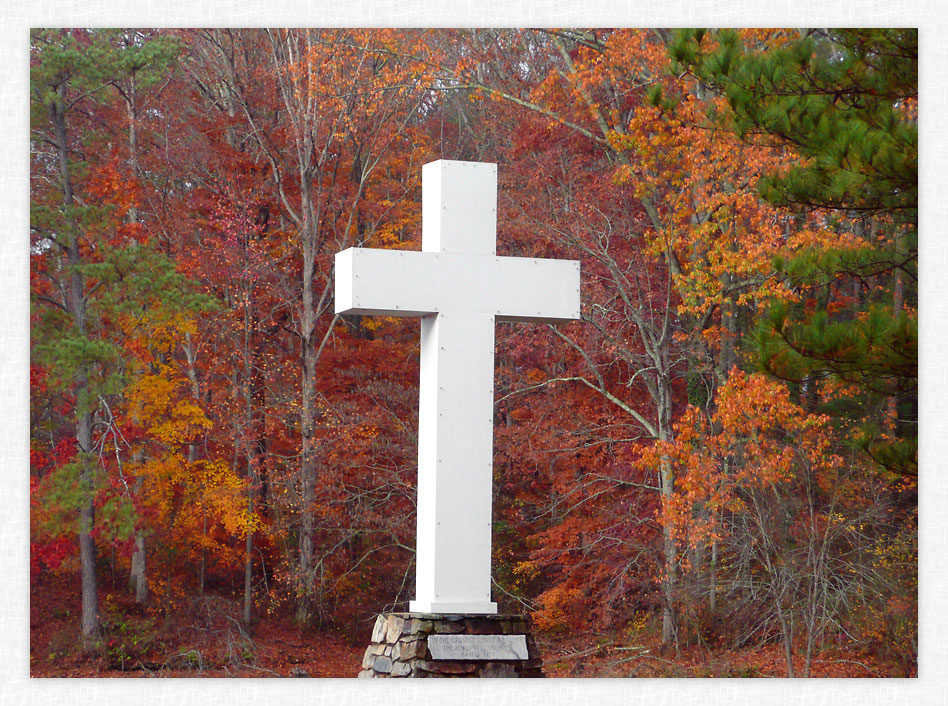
(845, 103)
(86, 272)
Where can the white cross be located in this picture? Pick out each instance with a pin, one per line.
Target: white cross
(459, 286)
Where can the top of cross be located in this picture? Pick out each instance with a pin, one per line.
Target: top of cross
(459, 207)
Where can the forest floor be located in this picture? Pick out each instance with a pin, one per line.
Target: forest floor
(205, 639)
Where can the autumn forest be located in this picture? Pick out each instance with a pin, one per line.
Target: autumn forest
(712, 473)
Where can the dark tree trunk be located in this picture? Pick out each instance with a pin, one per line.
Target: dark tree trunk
(89, 622)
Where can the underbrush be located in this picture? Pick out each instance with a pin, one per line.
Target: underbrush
(204, 637)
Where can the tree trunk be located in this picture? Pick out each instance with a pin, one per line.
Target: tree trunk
(248, 445)
(671, 560)
(138, 577)
(713, 579)
(307, 464)
(132, 139)
(810, 639)
(90, 628)
(786, 631)
(670, 551)
(202, 571)
(308, 411)
(191, 357)
(89, 624)
(258, 399)
(248, 575)
(727, 356)
(898, 303)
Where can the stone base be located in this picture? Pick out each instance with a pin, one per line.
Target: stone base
(400, 646)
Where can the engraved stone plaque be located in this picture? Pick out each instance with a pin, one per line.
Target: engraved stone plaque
(473, 647)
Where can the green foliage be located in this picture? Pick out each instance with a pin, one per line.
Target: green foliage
(68, 352)
(128, 640)
(825, 266)
(89, 61)
(878, 352)
(61, 498)
(699, 392)
(136, 284)
(845, 103)
(140, 282)
(657, 97)
(118, 514)
(897, 456)
(841, 98)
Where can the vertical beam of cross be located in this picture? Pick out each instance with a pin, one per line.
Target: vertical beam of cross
(459, 286)
(455, 446)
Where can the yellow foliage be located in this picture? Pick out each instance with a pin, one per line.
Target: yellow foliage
(164, 330)
(373, 323)
(159, 402)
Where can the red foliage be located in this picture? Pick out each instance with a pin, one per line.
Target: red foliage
(258, 156)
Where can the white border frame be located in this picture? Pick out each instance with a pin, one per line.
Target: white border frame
(17, 16)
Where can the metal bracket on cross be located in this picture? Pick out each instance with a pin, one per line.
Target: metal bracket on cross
(459, 286)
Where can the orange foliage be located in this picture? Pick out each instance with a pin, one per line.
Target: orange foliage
(757, 438)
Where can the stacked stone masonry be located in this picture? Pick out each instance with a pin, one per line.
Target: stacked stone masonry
(400, 648)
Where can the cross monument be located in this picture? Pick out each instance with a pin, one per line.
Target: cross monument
(459, 287)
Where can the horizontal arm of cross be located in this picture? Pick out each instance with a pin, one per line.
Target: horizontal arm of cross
(409, 283)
